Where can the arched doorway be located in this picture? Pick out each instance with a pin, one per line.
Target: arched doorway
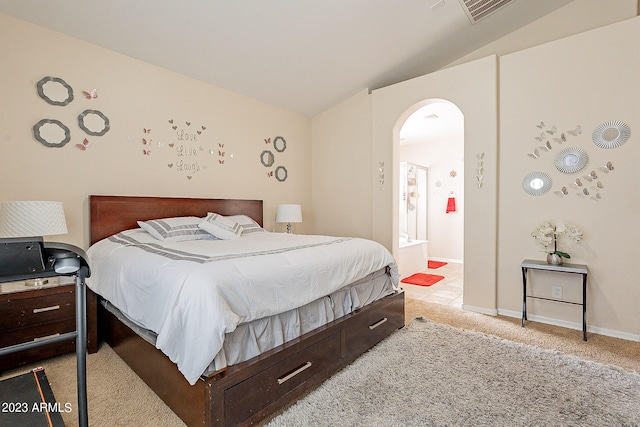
(429, 140)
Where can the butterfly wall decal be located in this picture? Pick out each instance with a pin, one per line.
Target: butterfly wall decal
(267, 141)
(85, 144)
(146, 130)
(90, 95)
(146, 142)
(146, 152)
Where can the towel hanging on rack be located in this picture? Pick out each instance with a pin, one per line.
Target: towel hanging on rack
(451, 202)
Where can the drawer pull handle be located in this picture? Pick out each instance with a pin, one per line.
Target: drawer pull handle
(45, 309)
(294, 373)
(47, 337)
(378, 323)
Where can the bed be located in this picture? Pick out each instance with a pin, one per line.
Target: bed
(236, 387)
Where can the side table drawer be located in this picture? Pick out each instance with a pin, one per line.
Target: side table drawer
(36, 333)
(24, 313)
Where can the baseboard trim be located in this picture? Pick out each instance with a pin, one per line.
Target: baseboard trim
(481, 310)
(451, 260)
(571, 325)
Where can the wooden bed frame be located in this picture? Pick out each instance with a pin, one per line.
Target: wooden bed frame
(248, 392)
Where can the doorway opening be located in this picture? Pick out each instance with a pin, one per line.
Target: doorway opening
(430, 188)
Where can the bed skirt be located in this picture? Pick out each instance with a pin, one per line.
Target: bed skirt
(256, 337)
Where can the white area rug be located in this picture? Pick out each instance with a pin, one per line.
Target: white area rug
(429, 374)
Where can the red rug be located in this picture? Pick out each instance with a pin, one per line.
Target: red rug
(435, 264)
(422, 279)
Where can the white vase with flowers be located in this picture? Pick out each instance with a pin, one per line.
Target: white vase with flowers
(547, 234)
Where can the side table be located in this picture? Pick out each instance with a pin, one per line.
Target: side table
(18, 262)
(529, 264)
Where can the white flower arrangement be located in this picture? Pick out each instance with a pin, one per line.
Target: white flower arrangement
(547, 234)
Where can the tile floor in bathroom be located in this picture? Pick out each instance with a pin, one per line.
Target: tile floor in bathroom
(447, 291)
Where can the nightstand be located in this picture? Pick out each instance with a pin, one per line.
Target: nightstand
(29, 313)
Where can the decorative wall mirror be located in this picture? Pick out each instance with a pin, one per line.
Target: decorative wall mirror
(281, 173)
(51, 133)
(611, 134)
(536, 183)
(55, 91)
(279, 144)
(267, 158)
(571, 160)
(93, 122)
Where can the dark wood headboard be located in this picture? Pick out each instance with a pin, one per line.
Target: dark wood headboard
(111, 214)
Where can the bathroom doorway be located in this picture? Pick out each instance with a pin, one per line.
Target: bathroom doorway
(431, 144)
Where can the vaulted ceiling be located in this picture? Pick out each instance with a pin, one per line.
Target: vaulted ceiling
(300, 55)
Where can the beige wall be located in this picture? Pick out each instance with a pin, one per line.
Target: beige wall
(472, 88)
(585, 80)
(341, 168)
(574, 18)
(134, 96)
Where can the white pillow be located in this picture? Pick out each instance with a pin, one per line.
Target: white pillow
(222, 227)
(177, 229)
(247, 224)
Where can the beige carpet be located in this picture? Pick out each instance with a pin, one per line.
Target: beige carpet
(117, 397)
(430, 374)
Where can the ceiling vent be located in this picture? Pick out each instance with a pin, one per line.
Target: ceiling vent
(479, 9)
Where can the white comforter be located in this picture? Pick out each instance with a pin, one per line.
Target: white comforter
(192, 293)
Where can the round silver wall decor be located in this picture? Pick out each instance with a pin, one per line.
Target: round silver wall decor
(281, 173)
(611, 134)
(267, 158)
(279, 144)
(571, 160)
(537, 183)
(93, 122)
(55, 91)
(51, 133)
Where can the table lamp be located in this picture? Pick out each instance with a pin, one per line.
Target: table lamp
(289, 213)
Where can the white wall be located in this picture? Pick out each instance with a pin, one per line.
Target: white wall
(134, 96)
(445, 230)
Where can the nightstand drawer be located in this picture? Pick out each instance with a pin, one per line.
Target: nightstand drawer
(27, 312)
(36, 333)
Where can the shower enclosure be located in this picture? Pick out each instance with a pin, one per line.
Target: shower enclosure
(412, 225)
(413, 201)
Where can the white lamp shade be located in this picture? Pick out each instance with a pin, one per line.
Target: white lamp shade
(32, 219)
(289, 213)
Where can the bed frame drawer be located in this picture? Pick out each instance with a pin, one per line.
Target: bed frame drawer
(243, 400)
(373, 326)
